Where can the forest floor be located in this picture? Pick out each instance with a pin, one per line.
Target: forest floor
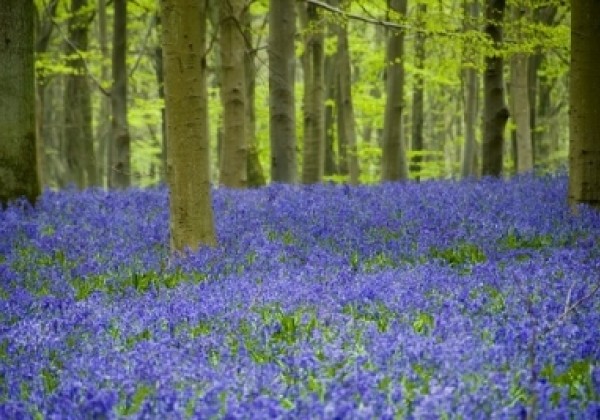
(474, 299)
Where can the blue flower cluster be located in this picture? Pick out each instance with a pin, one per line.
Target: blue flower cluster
(435, 300)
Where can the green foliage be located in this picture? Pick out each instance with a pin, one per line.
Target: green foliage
(461, 256)
(514, 240)
(50, 379)
(423, 323)
(576, 378)
(133, 403)
(132, 340)
(375, 312)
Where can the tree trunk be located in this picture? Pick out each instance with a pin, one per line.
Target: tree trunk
(331, 167)
(519, 78)
(417, 105)
(545, 16)
(233, 169)
(346, 121)
(256, 177)
(120, 173)
(494, 108)
(160, 80)
(81, 162)
(18, 172)
(584, 148)
(471, 94)
(313, 158)
(44, 28)
(103, 130)
(394, 166)
(282, 113)
(188, 167)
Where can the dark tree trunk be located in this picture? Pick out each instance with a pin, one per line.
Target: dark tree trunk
(120, 170)
(79, 139)
(494, 108)
(18, 172)
(584, 150)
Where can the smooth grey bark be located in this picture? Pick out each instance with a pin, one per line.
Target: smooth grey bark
(394, 167)
(233, 164)
(519, 94)
(79, 138)
(18, 172)
(538, 86)
(584, 146)
(313, 157)
(256, 176)
(44, 28)
(418, 91)
(188, 166)
(120, 167)
(160, 80)
(346, 120)
(471, 82)
(494, 109)
(282, 113)
(103, 129)
(331, 76)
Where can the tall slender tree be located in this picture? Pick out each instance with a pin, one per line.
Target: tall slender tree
(394, 166)
(539, 87)
(313, 157)
(233, 172)
(104, 127)
(256, 177)
(519, 93)
(18, 172)
(346, 120)
(471, 82)
(494, 107)
(120, 167)
(584, 148)
(81, 162)
(188, 165)
(418, 91)
(282, 117)
(43, 30)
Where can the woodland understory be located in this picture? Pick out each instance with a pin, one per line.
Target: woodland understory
(472, 299)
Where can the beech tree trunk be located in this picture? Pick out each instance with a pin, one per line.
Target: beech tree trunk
(584, 148)
(188, 166)
(519, 92)
(256, 176)
(471, 94)
(394, 166)
(537, 87)
(417, 105)
(18, 172)
(120, 171)
(103, 130)
(282, 111)
(331, 77)
(346, 121)
(79, 138)
(233, 172)
(494, 108)
(313, 158)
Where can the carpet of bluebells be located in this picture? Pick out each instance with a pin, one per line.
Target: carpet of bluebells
(470, 299)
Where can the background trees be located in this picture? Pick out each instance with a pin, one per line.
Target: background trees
(445, 51)
(18, 173)
(282, 102)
